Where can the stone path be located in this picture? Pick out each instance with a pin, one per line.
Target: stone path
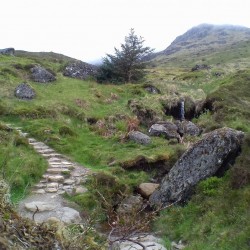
(62, 176)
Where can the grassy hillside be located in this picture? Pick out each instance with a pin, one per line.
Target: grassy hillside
(89, 123)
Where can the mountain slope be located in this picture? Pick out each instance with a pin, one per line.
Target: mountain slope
(205, 40)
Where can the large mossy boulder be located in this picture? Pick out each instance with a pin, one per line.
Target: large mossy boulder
(212, 154)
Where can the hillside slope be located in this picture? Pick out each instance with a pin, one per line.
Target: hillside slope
(202, 43)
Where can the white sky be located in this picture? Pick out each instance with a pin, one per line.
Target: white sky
(88, 29)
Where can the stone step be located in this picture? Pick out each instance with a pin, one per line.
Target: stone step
(39, 191)
(56, 178)
(69, 182)
(46, 151)
(55, 159)
(50, 155)
(58, 170)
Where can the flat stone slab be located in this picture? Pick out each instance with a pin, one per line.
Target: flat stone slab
(40, 206)
(58, 170)
(69, 182)
(39, 191)
(149, 241)
(51, 190)
(56, 178)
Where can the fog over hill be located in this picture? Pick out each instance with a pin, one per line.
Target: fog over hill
(206, 38)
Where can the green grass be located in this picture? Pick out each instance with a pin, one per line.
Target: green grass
(88, 123)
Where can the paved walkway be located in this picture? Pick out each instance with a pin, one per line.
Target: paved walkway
(62, 176)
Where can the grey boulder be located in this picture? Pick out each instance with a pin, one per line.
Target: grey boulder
(212, 153)
(166, 129)
(24, 91)
(139, 137)
(7, 51)
(80, 70)
(39, 74)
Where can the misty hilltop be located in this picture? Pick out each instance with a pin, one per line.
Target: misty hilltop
(202, 40)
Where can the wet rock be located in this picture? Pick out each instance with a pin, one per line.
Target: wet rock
(40, 74)
(146, 189)
(24, 91)
(80, 70)
(139, 137)
(214, 152)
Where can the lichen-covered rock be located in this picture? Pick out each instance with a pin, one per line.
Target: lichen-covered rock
(139, 137)
(40, 74)
(24, 91)
(80, 70)
(212, 153)
(188, 128)
(166, 129)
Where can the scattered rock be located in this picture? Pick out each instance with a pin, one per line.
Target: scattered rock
(213, 153)
(139, 137)
(188, 128)
(24, 91)
(177, 246)
(68, 215)
(80, 70)
(200, 67)
(130, 204)
(150, 242)
(81, 190)
(167, 129)
(39, 74)
(39, 206)
(146, 189)
(152, 89)
(7, 51)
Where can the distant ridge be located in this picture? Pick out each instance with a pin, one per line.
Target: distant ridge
(204, 39)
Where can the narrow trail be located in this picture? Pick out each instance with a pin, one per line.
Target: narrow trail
(62, 176)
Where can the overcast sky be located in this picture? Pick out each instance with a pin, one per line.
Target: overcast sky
(88, 29)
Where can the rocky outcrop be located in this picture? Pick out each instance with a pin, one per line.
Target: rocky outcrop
(7, 51)
(211, 154)
(139, 137)
(200, 67)
(80, 70)
(40, 74)
(24, 91)
(145, 114)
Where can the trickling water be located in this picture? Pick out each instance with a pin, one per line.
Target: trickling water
(182, 111)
